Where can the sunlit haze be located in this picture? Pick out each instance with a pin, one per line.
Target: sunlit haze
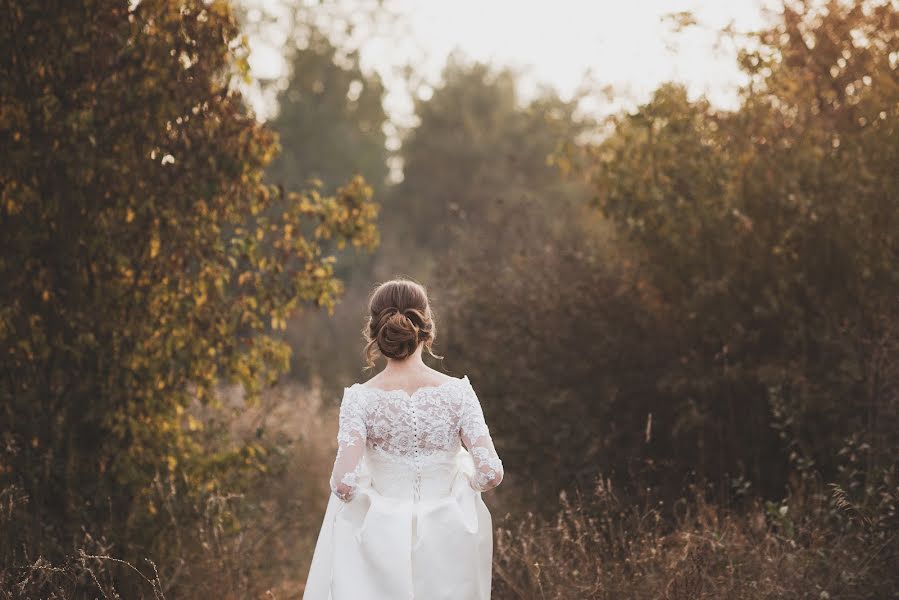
(627, 45)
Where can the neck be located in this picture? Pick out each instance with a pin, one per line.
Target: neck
(410, 363)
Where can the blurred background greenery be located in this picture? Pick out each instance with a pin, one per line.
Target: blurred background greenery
(681, 317)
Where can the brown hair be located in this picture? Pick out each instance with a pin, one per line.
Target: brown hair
(399, 320)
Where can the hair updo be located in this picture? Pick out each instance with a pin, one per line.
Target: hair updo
(399, 320)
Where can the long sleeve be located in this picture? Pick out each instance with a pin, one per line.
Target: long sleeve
(476, 436)
(351, 436)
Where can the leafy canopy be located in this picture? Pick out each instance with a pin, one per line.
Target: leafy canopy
(141, 262)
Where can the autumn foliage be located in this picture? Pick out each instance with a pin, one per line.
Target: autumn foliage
(141, 262)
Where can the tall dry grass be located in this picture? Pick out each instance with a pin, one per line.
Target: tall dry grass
(823, 540)
(823, 544)
(231, 546)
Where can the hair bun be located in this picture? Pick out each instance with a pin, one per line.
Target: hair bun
(400, 320)
(397, 334)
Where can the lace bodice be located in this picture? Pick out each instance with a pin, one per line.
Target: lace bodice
(411, 429)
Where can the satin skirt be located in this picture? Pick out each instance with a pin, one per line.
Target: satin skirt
(411, 531)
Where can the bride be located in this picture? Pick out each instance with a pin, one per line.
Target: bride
(406, 519)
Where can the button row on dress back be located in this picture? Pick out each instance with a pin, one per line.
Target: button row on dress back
(416, 485)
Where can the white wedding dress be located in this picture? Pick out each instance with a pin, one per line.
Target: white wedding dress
(406, 519)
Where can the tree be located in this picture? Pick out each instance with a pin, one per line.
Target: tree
(330, 118)
(749, 279)
(770, 234)
(140, 265)
(477, 147)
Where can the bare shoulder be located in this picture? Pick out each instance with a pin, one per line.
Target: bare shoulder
(422, 378)
(441, 378)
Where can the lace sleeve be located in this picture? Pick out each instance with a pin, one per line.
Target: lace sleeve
(476, 436)
(351, 436)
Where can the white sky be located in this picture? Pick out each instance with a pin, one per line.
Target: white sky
(622, 43)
